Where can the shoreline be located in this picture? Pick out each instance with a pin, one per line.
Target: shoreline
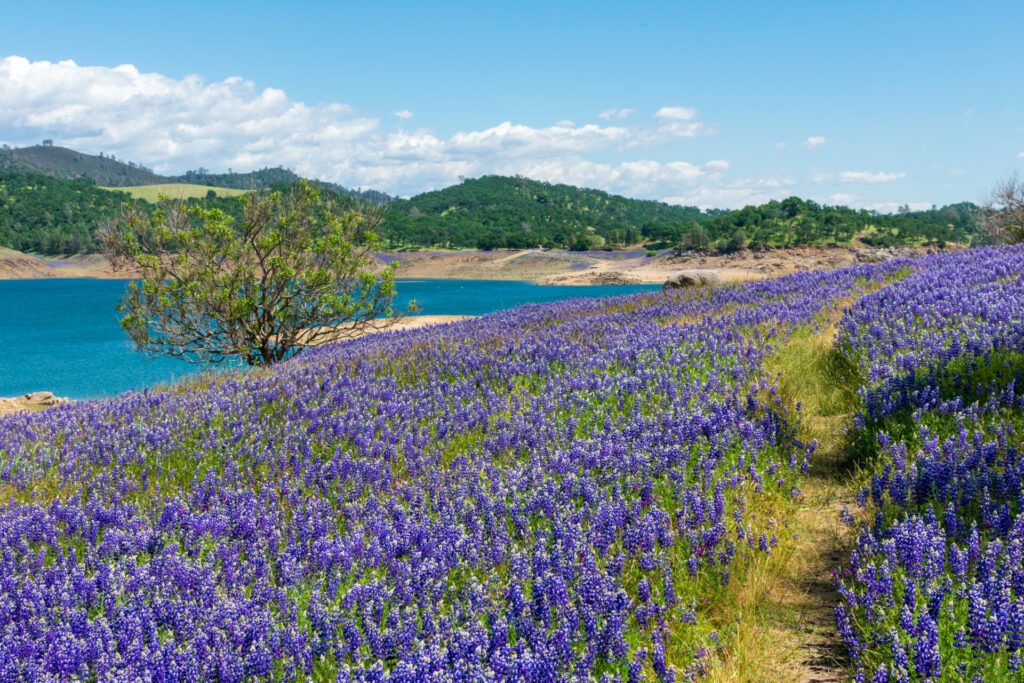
(540, 266)
(41, 400)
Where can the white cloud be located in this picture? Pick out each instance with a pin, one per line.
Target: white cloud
(676, 113)
(173, 125)
(815, 141)
(842, 199)
(893, 207)
(674, 122)
(1021, 155)
(870, 177)
(781, 145)
(735, 194)
(609, 114)
(819, 177)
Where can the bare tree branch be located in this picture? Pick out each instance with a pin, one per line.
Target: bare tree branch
(1002, 216)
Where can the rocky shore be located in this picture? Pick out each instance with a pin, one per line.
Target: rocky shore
(37, 400)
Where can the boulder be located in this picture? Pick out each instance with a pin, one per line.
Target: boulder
(43, 399)
(692, 278)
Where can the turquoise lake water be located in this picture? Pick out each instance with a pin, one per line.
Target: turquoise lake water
(63, 335)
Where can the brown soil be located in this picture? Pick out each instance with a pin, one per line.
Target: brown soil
(550, 267)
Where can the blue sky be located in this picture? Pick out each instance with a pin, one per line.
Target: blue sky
(718, 104)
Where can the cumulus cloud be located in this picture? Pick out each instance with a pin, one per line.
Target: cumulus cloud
(842, 199)
(609, 114)
(870, 177)
(176, 124)
(736, 194)
(1021, 155)
(676, 113)
(815, 141)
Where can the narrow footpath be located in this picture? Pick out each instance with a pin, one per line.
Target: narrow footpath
(786, 601)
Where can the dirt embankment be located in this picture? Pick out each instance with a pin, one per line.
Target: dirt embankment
(15, 265)
(555, 267)
(544, 266)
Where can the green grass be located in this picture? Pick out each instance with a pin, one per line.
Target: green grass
(777, 621)
(153, 193)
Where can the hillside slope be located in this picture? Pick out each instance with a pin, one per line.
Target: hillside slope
(107, 171)
(492, 212)
(517, 212)
(60, 162)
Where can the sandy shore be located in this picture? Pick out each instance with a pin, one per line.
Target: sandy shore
(409, 322)
(544, 266)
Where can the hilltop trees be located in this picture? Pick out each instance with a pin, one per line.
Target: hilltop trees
(52, 216)
(293, 271)
(55, 216)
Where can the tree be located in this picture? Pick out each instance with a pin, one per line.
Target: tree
(736, 242)
(1002, 216)
(696, 239)
(294, 271)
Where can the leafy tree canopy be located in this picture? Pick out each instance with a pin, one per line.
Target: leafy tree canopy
(294, 270)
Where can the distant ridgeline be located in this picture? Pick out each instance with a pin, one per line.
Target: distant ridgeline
(108, 171)
(497, 211)
(52, 201)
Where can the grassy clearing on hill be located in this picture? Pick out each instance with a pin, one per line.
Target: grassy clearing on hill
(152, 193)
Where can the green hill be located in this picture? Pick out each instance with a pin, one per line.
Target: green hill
(52, 215)
(500, 211)
(506, 212)
(108, 171)
(60, 162)
(51, 202)
(795, 221)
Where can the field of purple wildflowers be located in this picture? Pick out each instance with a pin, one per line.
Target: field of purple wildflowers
(551, 493)
(935, 588)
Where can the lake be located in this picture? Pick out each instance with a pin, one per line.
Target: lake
(63, 335)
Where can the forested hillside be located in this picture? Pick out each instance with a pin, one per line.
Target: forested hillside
(495, 212)
(796, 221)
(55, 216)
(499, 211)
(51, 215)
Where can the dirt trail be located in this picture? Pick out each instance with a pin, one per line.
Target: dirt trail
(783, 615)
(825, 544)
(825, 383)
